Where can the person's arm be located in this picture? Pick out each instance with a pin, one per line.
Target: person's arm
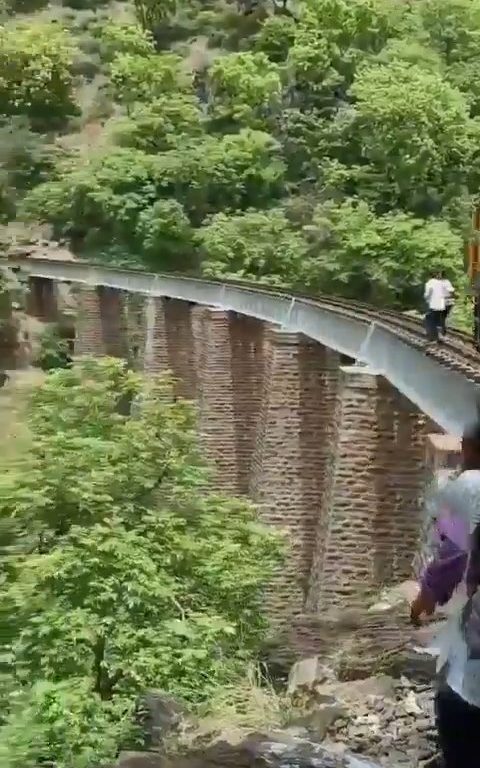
(450, 290)
(439, 581)
(427, 290)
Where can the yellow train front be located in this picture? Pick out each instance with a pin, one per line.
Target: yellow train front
(474, 274)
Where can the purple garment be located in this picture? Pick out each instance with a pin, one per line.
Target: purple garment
(444, 573)
(455, 529)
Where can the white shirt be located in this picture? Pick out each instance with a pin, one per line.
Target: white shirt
(449, 291)
(435, 294)
(462, 673)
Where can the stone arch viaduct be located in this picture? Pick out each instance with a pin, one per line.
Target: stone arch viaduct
(329, 415)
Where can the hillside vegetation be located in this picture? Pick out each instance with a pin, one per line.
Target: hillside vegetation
(327, 145)
(119, 574)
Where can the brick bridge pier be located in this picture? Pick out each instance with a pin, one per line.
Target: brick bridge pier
(329, 451)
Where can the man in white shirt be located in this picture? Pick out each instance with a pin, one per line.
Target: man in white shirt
(449, 299)
(436, 301)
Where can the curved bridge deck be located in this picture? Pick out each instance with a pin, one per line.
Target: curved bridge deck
(442, 383)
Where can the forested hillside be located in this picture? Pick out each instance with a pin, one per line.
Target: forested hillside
(322, 144)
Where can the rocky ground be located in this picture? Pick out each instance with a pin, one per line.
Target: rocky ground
(371, 723)
(377, 720)
(392, 724)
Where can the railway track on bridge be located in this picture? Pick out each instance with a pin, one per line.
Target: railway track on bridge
(457, 352)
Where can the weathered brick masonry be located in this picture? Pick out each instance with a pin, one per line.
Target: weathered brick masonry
(215, 395)
(42, 299)
(347, 571)
(291, 456)
(372, 506)
(332, 454)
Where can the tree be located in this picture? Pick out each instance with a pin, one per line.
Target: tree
(36, 73)
(255, 245)
(332, 38)
(25, 160)
(139, 578)
(125, 38)
(160, 125)
(452, 27)
(413, 130)
(310, 66)
(166, 236)
(275, 38)
(65, 722)
(97, 200)
(236, 172)
(244, 88)
(382, 259)
(13, 7)
(410, 51)
(151, 13)
(144, 78)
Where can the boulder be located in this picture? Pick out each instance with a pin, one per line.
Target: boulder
(355, 692)
(277, 750)
(394, 597)
(140, 760)
(321, 717)
(159, 715)
(259, 751)
(306, 674)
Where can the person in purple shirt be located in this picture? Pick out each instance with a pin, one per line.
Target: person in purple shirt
(457, 561)
(441, 577)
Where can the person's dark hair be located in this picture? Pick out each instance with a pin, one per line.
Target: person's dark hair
(473, 571)
(472, 432)
(471, 435)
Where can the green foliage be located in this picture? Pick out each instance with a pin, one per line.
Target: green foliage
(64, 723)
(414, 129)
(54, 350)
(25, 160)
(238, 171)
(119, 39)
(166, 235)
(452, 27)
(382, 259)
(334, 152)
(275, 37)
(151, 13)
(101, 200)
(35, 73)
(244, 88)
(334, 37)
(160, 125)
(255, 245)
(12, 7)
(411, 51)
(161, 583)
(321, 106)
(136, 77)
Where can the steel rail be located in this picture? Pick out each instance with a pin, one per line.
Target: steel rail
(441, 381)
